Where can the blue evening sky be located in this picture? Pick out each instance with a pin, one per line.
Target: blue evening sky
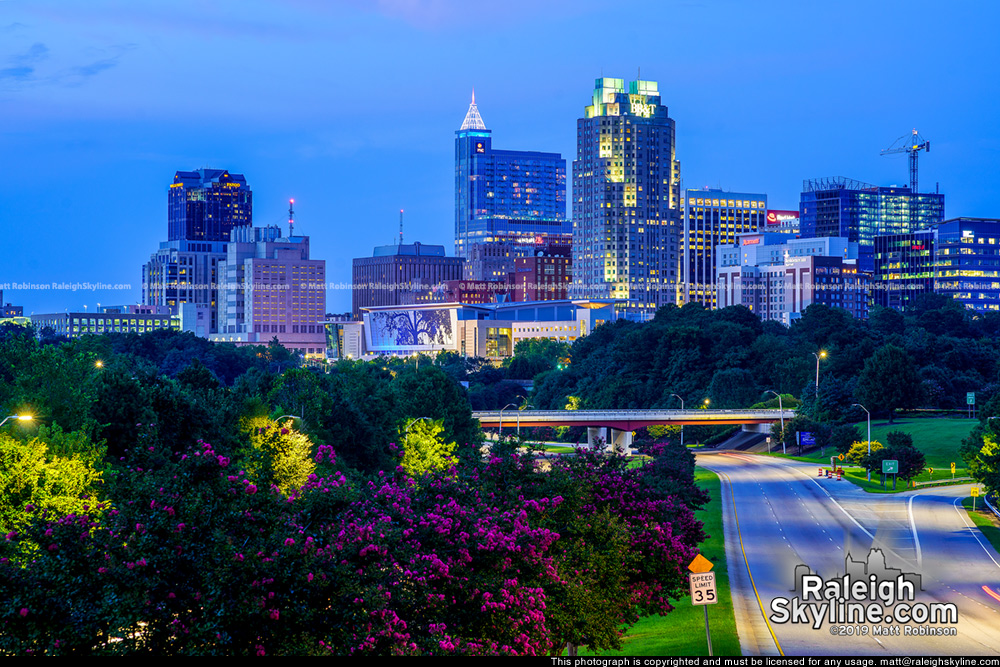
(350, 107)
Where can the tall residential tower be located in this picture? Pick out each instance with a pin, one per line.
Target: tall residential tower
(626, 199)
(507, 203)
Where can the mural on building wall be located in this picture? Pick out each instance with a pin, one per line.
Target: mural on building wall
(413, 329)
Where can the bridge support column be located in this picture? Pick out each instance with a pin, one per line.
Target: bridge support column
(619, 441)
(593, 434)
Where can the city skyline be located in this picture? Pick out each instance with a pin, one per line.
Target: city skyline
(104, 103)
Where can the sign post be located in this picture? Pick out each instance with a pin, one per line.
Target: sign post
(953, 470)
(970, 400)
(975, 494)
(890, 467)
(703, 589)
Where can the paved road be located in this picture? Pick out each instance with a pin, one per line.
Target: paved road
(778, 514)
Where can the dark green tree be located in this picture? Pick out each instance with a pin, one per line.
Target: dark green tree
(889, 382)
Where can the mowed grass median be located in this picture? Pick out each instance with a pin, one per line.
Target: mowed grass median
(939, 438)
(682, 631)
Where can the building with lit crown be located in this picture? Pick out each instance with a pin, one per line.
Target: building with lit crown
(203, 207)
(507, 203)
(626, 199)
(207, 204)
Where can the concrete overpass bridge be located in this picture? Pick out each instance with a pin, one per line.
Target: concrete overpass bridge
(618, 425)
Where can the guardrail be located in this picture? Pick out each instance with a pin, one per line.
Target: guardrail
(993, 508)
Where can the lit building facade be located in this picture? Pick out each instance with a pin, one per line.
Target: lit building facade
(967, 262)
(959, 258)
(183, 273)
(626, 199)
(860, 212)
(488, 330)
(713, 218)
(400, 275)
(203, 207)
(545, 276)
(271, 288)
(778, 277)
(8, 309)
(904, 267)
(513, 199)
(122, 319)
(207, 204)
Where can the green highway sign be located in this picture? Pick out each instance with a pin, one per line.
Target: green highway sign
(890, 467)
(970, 398)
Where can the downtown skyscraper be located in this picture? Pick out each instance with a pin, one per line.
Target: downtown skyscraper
(626, 199)
(508, 204)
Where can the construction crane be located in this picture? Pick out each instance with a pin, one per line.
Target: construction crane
(912, 144)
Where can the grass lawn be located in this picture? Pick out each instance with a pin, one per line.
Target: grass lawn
(987, 521)
(938, 438)
(682, 631)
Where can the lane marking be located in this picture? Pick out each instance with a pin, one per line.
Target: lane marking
(820, 487)
(913, 529)
(739, 534)
(974, 531)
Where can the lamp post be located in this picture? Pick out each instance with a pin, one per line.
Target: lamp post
(500, 429)
(526, 405)
(869, 435)
(24, 418)
(820, 355)
(782, 411)
(682, 423)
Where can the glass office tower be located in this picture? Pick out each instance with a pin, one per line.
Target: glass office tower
(626, 199)
(860, 212)
(207, 204)
(515, 200)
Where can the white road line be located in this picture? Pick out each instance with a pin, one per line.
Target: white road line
(913, 529)
(975, 532)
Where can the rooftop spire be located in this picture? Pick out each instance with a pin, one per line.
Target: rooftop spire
(473, 121)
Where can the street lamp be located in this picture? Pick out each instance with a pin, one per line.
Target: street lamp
(24, 418)
(682, 423)
(782, 410)
(500, 429)
(869, 436)
(526, 405)
(820, 355)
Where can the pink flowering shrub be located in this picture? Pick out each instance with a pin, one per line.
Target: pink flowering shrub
(190, 557)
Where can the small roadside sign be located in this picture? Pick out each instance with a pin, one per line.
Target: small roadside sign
(970, 398)
(890, 467)
(703, 591)
(975, 492)
(703, 588)
(700, 564)
(953, 466)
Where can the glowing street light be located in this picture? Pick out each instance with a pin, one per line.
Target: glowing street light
(24, 418)
(820, 355)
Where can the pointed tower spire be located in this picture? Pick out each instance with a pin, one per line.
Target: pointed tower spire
(473, 121)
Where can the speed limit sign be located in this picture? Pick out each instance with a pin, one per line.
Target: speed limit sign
(703, 588)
